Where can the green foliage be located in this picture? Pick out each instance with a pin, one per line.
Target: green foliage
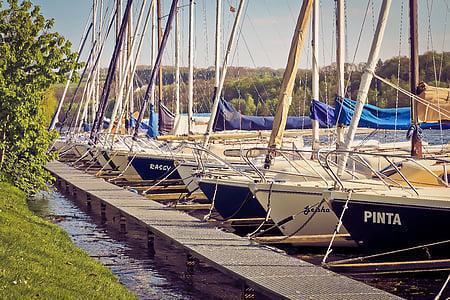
(38, 259)
(246, 106)
(32, 58)
(49, 104)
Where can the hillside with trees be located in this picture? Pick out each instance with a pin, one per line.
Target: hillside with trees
(255, 91)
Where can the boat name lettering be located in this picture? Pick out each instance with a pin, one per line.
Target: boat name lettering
(377, 217)
(159, 167)
(313, 209)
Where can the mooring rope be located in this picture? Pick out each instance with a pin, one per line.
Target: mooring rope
(161, 180)
(362, 258)
(123, 172)
(291, 218)
(438, 296)
(266, 219)
(208, 215)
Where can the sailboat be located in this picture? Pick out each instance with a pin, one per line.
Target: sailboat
(412, 209)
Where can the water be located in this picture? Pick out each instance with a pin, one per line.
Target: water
(415, 286)
(432, 137)
(143, 275)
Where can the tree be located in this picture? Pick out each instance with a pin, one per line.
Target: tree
(32, 58)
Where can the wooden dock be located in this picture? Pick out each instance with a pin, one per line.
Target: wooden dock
(271, 273)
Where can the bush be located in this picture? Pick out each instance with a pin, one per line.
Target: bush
(32, 58)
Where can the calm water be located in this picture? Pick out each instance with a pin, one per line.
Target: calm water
(432, 137)
(141, 274)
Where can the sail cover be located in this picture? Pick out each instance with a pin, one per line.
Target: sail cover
(323, 113)
(228, 118)
(373, 116)
(166, 119)
(436, 104)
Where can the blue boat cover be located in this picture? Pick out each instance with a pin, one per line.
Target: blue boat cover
(228, 118)
(323, 113)
(371, 117)
(152, 125)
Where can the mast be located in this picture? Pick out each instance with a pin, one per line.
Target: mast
(154, 51)
(157, 65)
(218, 37)
(340, 58)
(118, 77)
(177, 71)
(125, 81)
(160, 91)
(315, 71)
(109, 77)
(97, 73)
(416, 142)
(84, 37)
(129, 88)
(287, 86)
(191, 66)
(224, 72)
(131, 39)
(366, 80)
(93, 85)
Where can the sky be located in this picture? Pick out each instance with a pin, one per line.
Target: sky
(267, 29)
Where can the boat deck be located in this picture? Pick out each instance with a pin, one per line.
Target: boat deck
(272, 273)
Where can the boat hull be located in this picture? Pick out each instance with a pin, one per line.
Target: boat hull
(154, 168)
(120, 160)
(297, 210)
(232, 200)
(389, 226)
(186, 172)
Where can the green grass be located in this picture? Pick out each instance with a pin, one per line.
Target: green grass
(38, 259)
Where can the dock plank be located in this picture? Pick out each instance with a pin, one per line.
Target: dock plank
(264, 268)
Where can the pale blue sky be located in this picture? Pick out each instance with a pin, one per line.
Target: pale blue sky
(268, 27)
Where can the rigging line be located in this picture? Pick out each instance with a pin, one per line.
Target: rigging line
(326, 96)
(357, 43)
(276, 28)
(443, 42)
(398, 70)
(308, 55)
(241, 35)
(254, 64)
(430, 38)
(430, 105)
(333, 57)
(205, 28)
(97, 59)
(261, 44)
(346, 30)
(430, 35)
(290, 11)
(91, 53)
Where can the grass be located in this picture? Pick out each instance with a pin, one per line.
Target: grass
(38, 259)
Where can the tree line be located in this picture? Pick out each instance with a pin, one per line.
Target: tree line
(254, 91)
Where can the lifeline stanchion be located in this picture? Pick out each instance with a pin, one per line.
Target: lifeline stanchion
(338, 227)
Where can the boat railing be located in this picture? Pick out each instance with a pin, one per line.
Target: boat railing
(393, 165)
(204, 155)
(292, 157)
